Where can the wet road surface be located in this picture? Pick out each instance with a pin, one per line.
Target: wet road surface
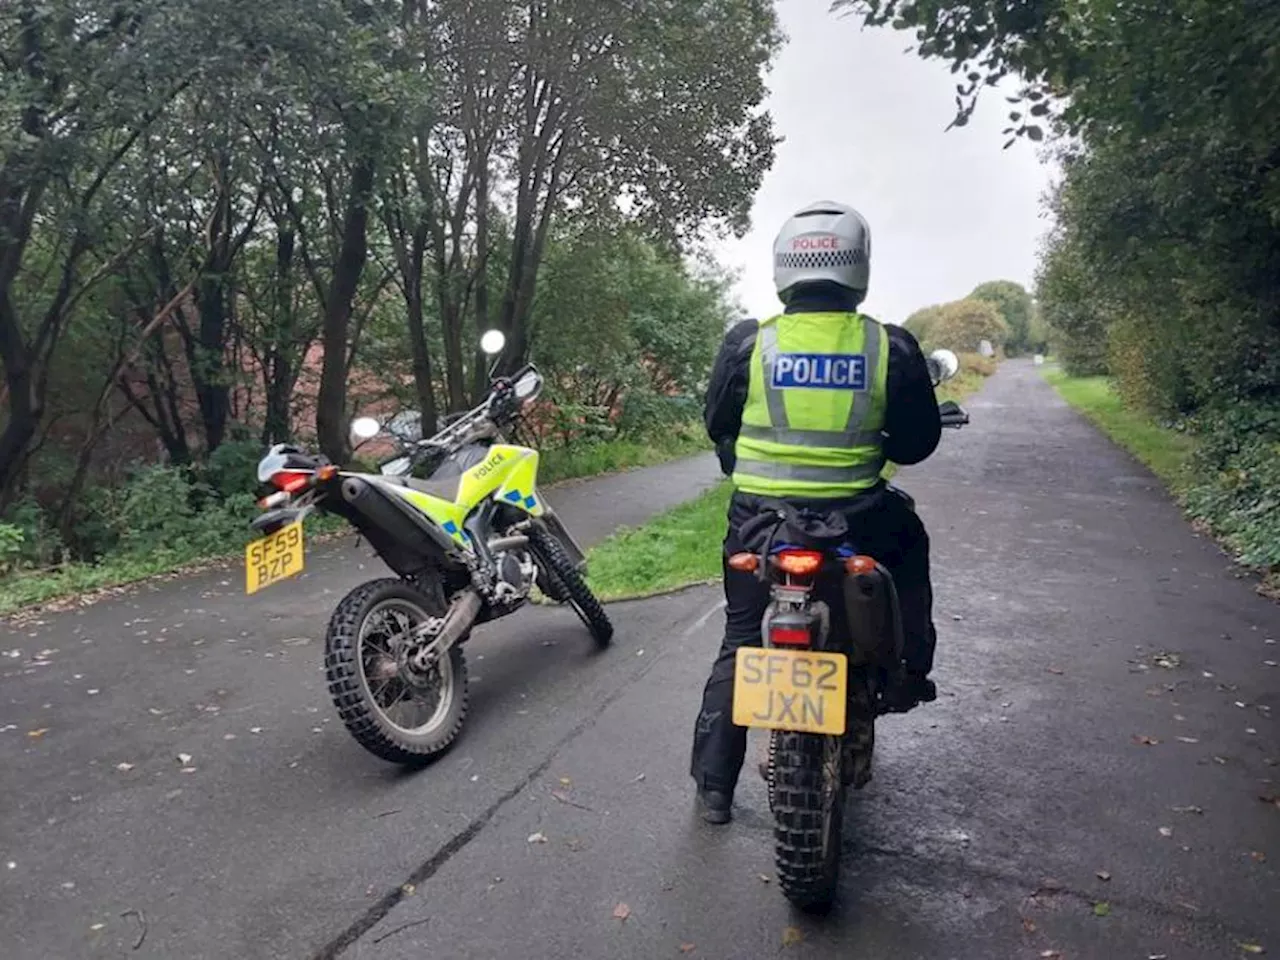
(1090, 784)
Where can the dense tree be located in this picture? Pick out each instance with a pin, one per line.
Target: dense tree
(965, 324)
(1015, 305)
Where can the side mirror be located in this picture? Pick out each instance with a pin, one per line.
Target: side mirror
(364, 428)
(492, 342)
(943, 365)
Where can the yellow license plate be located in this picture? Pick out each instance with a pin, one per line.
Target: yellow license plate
(799, 690)
(273, 558)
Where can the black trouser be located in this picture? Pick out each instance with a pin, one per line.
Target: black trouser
(881, 524)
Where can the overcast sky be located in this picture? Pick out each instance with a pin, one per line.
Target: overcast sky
(863, 123)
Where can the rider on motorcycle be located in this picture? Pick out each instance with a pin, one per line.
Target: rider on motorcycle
(807, 407)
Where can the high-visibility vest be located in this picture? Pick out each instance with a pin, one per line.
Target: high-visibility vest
(815, 407)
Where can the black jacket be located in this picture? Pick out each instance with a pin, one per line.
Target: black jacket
(912, 426)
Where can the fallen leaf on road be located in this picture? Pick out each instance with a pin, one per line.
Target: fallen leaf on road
(621, 912)
(792, 936)
(765, 878)
(1167, 660)
(687, 948)
(1271, 798)
(255, 729)
(1103, 875)
(1188, 740)
(1144, 740)
(564, 798)
(1258, 855)
(1166, 831)
(1157, 956)
(1102, 909)
(1049, 954)
(1191, 808)
(124, 767)
(97, 926)
(1056, 671)
(408, 889)
(537, 838)
(639, 778)
(37, 734)
(1220, 760)
(184, 759)
(566, 782)
(1252, 948)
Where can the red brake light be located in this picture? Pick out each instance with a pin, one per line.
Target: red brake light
(789, 636)
(289, 481)
(799, 563)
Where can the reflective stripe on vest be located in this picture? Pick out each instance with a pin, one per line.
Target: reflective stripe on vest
(776, 470)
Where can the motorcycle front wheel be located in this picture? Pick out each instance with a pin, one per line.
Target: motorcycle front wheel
(392, 710)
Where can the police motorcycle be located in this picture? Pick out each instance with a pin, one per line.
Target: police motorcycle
(832, 648)
(459, 519)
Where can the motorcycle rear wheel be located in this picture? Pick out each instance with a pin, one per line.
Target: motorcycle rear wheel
(807, 794)
(369, 684)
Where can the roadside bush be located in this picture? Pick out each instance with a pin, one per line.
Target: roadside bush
(645, 413)
(963, 325)
(10, 547)
(231, 468)
(1236, 485)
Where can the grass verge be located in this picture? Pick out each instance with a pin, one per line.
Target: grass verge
(86, 582)
(1165, 451)
(679, 548)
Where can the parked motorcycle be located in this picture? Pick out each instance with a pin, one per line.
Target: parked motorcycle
(832, 648)
(460, 520)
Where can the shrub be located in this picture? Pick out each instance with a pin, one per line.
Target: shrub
(963, 325)
(11, 540)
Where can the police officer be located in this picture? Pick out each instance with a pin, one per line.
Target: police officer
(807, 407)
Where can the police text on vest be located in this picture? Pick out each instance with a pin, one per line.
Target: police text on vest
(819, 371)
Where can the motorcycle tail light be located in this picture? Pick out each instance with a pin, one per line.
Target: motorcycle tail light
(799, 563)
(289, 480)
(744, 562)
(789, 635)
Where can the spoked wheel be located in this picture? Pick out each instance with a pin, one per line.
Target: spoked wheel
(393, 710)
(564, 578)
(807, 795)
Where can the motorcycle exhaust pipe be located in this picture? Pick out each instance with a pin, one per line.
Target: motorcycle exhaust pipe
(461, 615)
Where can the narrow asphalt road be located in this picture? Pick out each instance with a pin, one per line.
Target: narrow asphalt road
(1091, 783)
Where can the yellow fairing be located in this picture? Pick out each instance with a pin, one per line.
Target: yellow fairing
(508, 473)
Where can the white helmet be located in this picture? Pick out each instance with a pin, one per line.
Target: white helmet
(823, 242)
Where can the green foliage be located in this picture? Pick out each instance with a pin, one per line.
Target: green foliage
(11, 540)
(963, 325)
(1015, 306)
(921, 323)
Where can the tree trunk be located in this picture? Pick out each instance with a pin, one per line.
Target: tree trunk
(332, 402)
(422, 377)
(25, 405)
